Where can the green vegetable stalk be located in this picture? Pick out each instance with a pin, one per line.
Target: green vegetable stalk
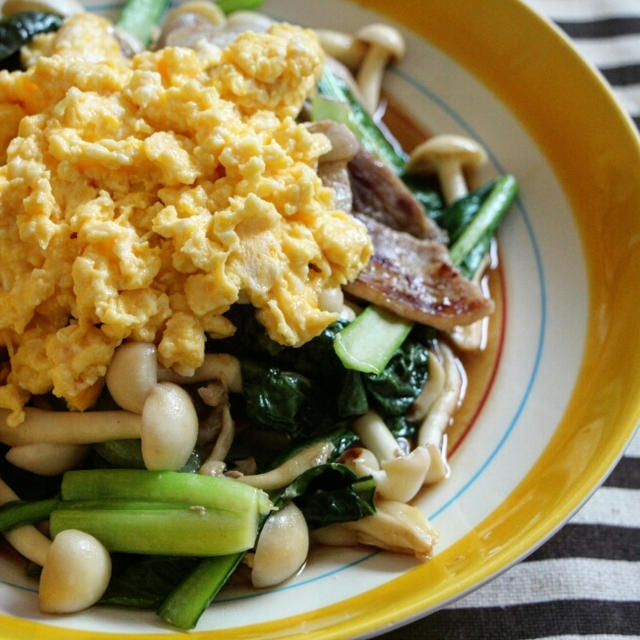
(17, 513)
(138, 18)
(166, 513)
(186, 603)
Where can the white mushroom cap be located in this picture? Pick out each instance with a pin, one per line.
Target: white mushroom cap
(132, 373)
(447, 155)
(208, 10)
(384, 36)
(76, 573)
(169, 427)
(282, 547)
(344, 47)
(385, 43)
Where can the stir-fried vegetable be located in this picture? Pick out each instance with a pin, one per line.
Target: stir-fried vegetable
(184, 605)
(138, 18)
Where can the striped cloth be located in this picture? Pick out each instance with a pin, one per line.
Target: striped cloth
(585, 581)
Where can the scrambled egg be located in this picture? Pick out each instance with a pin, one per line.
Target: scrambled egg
(140, 198)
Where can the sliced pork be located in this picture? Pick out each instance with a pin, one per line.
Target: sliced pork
(380, 194)
(414, 278)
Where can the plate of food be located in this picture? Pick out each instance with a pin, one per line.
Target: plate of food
(315, 316)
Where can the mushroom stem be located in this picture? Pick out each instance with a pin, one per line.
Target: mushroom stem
(385, 43)
(70, 427)
(167, 428)
(26, 540)
(375, 435)
(431, 432)
(47, 459)
(395, 526)
(369, 77)
(216, 366)
(214, 463)
(452, 180)
(290, 469)
(342, 46)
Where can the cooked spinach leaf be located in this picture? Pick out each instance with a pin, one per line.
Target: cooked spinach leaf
(455, 218)
(393, 391)
(305, 393)
(144, 582)
(330, 493)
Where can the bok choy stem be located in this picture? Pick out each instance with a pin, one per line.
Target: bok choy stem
(183, 607)
(17, 513)
(138, 17)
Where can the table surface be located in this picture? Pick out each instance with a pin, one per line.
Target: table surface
(585, 581)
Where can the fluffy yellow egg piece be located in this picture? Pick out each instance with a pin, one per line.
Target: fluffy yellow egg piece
(141, 198)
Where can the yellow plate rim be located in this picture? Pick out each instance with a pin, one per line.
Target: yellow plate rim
(600, 418)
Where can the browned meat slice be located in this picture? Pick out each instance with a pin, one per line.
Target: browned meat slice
(415, 279)
(380, 194)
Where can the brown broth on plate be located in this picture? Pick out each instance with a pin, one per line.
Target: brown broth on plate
(479, 366)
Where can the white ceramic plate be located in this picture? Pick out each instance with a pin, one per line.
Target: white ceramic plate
(551, 415)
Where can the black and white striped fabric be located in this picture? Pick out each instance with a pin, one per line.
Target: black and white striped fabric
(585, 581)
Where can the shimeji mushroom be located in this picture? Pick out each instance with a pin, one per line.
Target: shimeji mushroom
(471, 337)
(282, 547)
(207, 10)
(384, 44)
(447, 155)
(75, 574)
(47, 459)
(167, 427)
(76, 568)
(312, 456)
(344, 47)
(215, 366)
(60, 7)
(214, 464)
(132, 373)
(431, 431)
(398, 477)
(27, 540)
(395, 526)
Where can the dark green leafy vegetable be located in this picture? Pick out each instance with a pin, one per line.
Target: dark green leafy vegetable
(330, 493)
(455, 218)
(306, 393)
(18, 512)
(145, 581)
(484, 223)
(18, 29)
(335, 101)
(229, 6)
(393, 390)
(341, 440)
(185, 604)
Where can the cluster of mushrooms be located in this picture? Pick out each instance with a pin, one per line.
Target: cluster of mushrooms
(156, 409)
